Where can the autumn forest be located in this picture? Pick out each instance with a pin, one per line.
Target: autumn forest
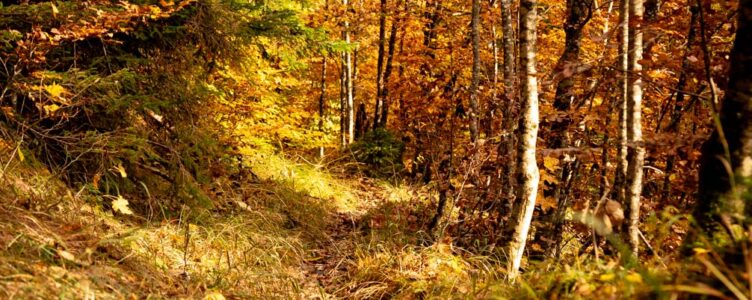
(375, 149)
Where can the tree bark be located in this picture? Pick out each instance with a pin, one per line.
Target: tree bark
(507, 145)
(322, 103)
(349, 98)
(723, 194)
(673, 125)
(387, 74)
(578, 14)
(621, 156)
(528, 134)
(474, 113)
(380, 66)
(343, 102)
(493, 104)
(636, 151)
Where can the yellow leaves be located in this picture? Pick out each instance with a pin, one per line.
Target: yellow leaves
(214, 296)
(55, 11)
(550, 163)
(121, 170)
(21, 156)
(700, 251)
(633, 278)
(51, 108)
(549, 169)
(57, 93)
(121, 205)
(55, 90)
(607, 277)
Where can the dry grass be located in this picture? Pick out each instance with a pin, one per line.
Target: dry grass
(57, 244)
(302, 233)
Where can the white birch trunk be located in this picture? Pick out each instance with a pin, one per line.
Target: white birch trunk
(349, 105)
(636, 151)
(621, 157)
(528, 134)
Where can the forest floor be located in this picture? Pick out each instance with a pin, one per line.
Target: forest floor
(301, 230)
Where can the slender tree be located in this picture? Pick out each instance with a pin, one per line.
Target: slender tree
(380, 66)
(636, 151)
(474, 107)
(528, 175)
(507, 146)
(388, 73)
(679, 104)
(349, 106)
(579, 12)
(621, 156)
(322, 102)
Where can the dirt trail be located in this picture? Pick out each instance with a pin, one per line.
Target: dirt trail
(333, 261)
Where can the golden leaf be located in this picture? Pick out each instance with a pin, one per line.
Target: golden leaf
(121, 205)
(121, 170)
(214, 296)
(55, 11)
(550, 163)
(21, 156)
(51, 108)
(634, 278)
(607, 277)
(55, 90)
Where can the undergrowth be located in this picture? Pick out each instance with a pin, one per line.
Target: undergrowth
(301, 230)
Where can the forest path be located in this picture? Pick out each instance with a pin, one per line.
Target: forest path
(333, 261)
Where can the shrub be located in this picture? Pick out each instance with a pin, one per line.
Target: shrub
(381, 151)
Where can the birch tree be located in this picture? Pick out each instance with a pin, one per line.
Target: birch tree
(621, 156)
(528, 175)
(347, 70)
(636, 151)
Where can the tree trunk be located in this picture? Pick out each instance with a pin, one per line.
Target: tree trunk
(349, 109)
(474, 113)
(621, 156)
(387, 75)
(723, 194)
(493, 104)
(673, 125)
(322, 103)
(636, 151)
(343, 102)
(380, 66)
(507, 145)
(650, 36)
(402, 115)
(361, 121)
(528, 133)
(578, 14)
